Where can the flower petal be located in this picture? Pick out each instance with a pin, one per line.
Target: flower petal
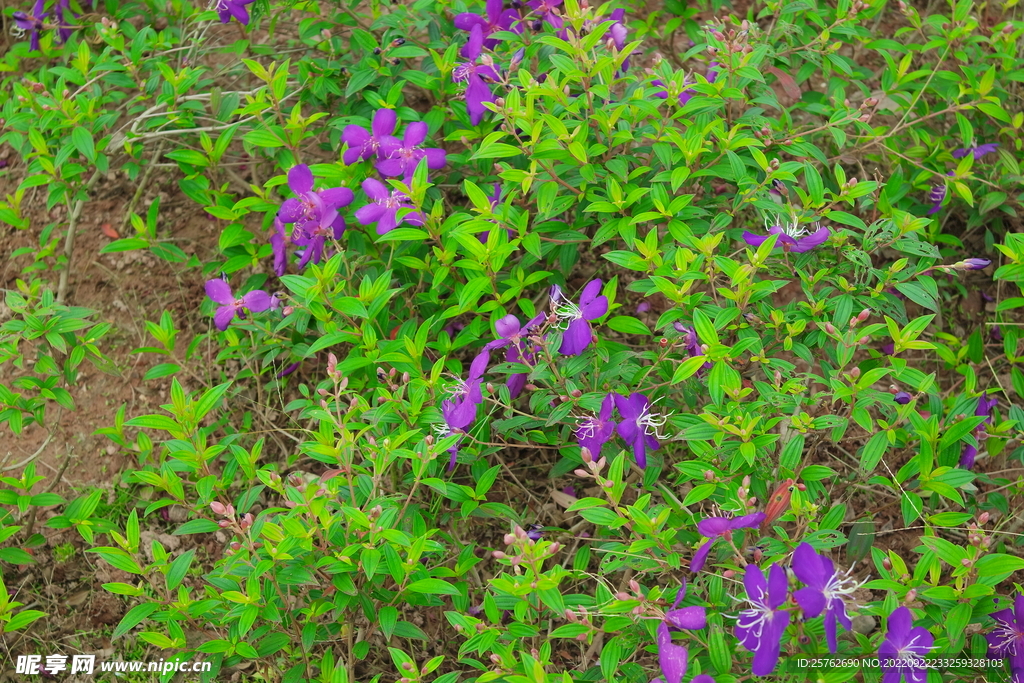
(576, 338)
(370, 213)
(222, 318)
(219, 291)
(300, 179)
(375, 190)
(384, 122)
(701, 556)
(811, 241)
(336, 197)
(257, 301)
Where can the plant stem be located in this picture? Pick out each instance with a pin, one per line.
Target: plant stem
(69, 239)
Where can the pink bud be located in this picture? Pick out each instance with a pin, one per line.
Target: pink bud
(911, 596)
(586, 455)
(224, 523)
(983, 518)
(218, 508)
(510, 539)
(728, 573)
(830, 328)
(498, 555)
(581, 473)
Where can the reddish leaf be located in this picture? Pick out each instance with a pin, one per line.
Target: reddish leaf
(109, 231)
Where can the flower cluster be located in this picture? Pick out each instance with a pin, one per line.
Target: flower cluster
(479, 71)
(638, 426)
(315, 217)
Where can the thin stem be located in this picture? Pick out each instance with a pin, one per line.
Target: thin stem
(69, 239)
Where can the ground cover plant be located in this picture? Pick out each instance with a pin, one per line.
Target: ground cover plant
(524, 341)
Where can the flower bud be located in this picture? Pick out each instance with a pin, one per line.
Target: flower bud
(287, 310)
(709, 475)
(586, 455)
(495, 659)
(623, 595)
(911, 596)
(218, 508)
(728, 573)
(581, 473)
(498, 555)
(983, 518)
(570, 615)
(576, 393)
(634, 586)
(887, 563)
(830, 328)
(510, 539)
(407, 666)
(247, 520)
(224, 523)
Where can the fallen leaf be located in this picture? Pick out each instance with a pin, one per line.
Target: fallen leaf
(786, 81)
(109, 231)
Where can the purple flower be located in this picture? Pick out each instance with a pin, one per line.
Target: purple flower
(984, 408)
(978, 150)
(383, 208)
(639, 426)
(498, 19)
(826, 590)
(691, 618)
(278, 242)
(510, 337)
(534, 532)
(477, 91)
(792, 237)
(903, 398)
(1006, 641)
(459, 410)
(401, 157)
(760, 628)
(234, 8)
(671, 657)
(315, 214)
(31, 23)
(594, 432)
(902, 653)
(937, 196)
(362, 145)
(578, 334)
(255, 301)
(290, 369)
(720, 527)
(548, 11)
(974, 264)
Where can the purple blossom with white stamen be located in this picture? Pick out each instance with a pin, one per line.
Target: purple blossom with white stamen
(792, 237)
(31, 23)
(578, 334)
(761, 627)
(498, 19)
(639, 426)
(315, 214)
(459, 409)
(902, 653)
(1006, 641)
(474, 73)
(720, 527)
(255, 301)
(593, 433)
(401, 157)
(233, 8)
(826, 591)
(548, 11)
(362, 144)
(383, 208)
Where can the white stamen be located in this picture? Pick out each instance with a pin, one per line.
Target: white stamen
(587, 427)
(792, 229)
(651, 422)
(567, 311)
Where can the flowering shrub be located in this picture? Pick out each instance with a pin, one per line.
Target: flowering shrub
(508, 426)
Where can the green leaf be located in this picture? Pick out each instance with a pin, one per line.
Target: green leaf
(432, 586)
(998, 564)
(628, 325)
(161, 422)
(82, 140)
(23, 619)
(688, 368)
(134, 618)
(161, 370)
(176, 572)
(196, 526)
